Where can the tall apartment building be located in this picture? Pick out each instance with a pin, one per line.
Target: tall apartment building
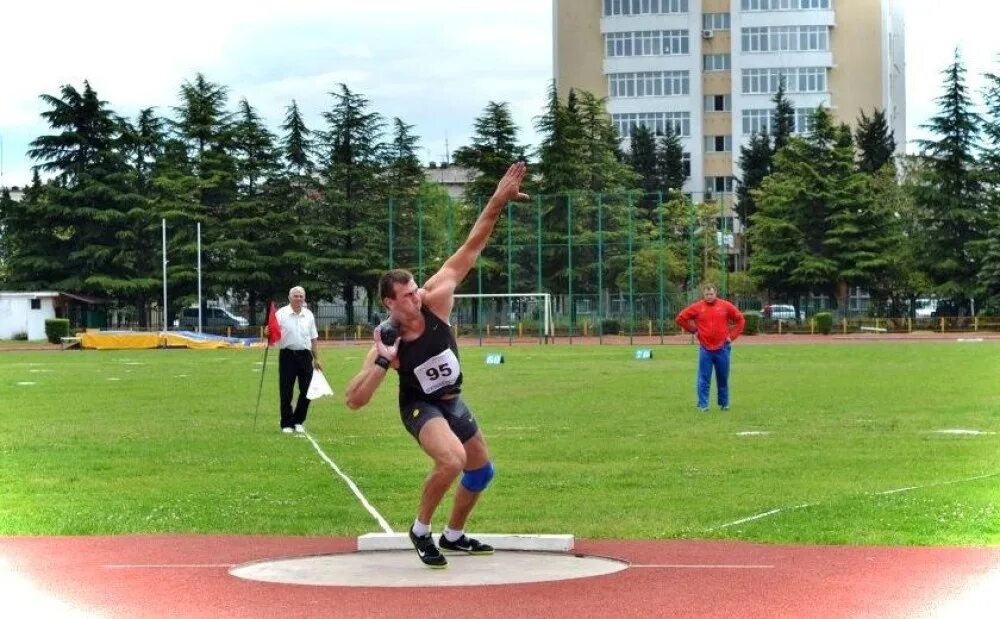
(709, 69)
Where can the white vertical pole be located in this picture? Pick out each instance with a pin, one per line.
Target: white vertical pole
(164, 227)
(547, 327)
(199, 277)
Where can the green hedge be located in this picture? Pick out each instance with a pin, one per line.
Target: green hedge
(752, 326)
(824, 322)
(56, 328)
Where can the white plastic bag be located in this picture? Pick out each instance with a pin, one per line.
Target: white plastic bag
(318, 387)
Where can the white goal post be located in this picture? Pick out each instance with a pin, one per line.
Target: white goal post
(545, 297)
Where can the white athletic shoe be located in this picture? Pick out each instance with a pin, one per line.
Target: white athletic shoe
(287, 430)
(300, 428)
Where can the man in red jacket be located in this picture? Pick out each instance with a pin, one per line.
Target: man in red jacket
(710, 320)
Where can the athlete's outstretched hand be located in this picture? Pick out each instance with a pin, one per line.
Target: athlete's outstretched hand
(509, 187)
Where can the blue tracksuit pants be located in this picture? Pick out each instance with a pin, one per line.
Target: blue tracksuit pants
(718, 359)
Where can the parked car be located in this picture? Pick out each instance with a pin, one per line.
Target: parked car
(779, 312)
(210, 317)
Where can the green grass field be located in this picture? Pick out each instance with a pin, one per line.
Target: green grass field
(586, 441)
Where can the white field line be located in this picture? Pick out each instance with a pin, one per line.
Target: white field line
(759, 516)
(940, 483)
(354, 488)
(883, 492)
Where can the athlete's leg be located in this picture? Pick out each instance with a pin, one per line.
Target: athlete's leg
(476, 457)
(441, 444)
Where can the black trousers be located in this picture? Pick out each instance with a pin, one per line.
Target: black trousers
(294, 364)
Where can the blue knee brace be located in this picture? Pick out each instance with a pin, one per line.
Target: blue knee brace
(477, 480)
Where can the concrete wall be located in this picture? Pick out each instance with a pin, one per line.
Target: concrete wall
(578, 47)
(16, 315)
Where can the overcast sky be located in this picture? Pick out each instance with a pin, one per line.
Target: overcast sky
(433, 63)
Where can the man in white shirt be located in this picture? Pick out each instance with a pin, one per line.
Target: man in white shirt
(298, 355)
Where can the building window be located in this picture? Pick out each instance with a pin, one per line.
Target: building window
(797, 79)
(718, 103)
(756, 121)
(715, 21)
(718, 143)
(657, 122)
(686, 164)
(36, 304)
(646, 43)
(719, 184)
(784, 5)
(644, 7)
(718, 62)
(786, 39)
(649, 84)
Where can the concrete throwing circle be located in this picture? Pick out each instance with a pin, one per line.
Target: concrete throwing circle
(396, 568)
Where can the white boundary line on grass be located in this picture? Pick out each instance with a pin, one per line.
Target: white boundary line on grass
(882, 493)
(354, 488)
(940, 483)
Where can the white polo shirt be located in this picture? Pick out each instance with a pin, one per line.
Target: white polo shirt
(297, 330)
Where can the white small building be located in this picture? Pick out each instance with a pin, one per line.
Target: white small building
(26, 312)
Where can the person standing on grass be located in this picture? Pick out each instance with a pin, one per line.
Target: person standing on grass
(298, 355)
(425, 356)
(716, 323)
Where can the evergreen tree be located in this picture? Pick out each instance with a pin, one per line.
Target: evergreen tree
(297, 142)
(783, 126)
(609, 179)
(494, 147)
(951, 203)
(256, 229)
(860, 237)
(875, 141)
(755, 165)
(989, 272)
(670, 160)
(643, 159)
(91, 193)
(989, 275)
(7, 210)
(803, 233)
(418, 227)
(350, 240)
(561, 152)
(201, 187)
(297, 193)
(143, 145)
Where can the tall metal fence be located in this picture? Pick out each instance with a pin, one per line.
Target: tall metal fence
(612, 264)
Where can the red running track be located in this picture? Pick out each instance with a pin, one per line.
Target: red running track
(187, 576)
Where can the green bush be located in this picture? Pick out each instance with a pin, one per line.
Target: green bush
(752, 326)
(824, 322)
(20, 335)
(56, 328)
(610, 326)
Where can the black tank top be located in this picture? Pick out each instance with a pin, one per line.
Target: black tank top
(428, 366)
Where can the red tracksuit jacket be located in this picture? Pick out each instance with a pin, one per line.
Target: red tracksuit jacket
(712, 321)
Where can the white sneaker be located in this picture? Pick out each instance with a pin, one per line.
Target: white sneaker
(300, 428)
(287, 430)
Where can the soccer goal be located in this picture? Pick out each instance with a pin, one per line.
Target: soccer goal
(514, 308)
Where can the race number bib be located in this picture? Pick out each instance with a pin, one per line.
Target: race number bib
(439, 371)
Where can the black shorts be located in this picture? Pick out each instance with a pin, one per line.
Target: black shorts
(460, 419)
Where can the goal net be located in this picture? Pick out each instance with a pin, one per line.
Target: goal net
(511, 314)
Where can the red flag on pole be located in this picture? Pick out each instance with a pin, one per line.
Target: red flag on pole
(273, 328)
